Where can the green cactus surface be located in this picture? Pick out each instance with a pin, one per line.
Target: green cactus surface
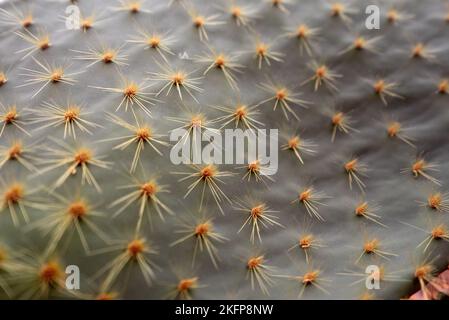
(91, 91)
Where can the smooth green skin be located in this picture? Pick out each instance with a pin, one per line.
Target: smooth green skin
(423, 111)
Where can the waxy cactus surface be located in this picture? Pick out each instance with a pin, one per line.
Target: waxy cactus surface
(356, 207)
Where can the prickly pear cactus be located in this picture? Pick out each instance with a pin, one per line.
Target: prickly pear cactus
(94, 207)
